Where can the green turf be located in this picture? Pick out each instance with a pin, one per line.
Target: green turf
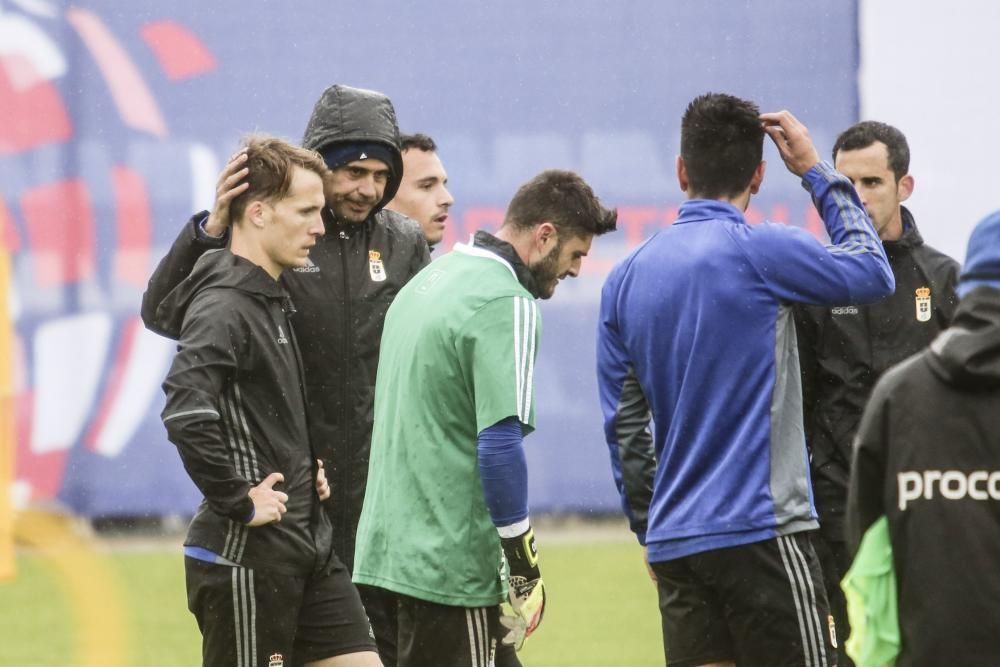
(601, 611)
(601, 608)
(33, 627)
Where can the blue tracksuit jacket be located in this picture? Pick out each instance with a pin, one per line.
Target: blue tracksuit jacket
(696, 335)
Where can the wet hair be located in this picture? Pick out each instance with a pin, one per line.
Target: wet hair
(866, 133)
(271, 163)
(564, 199)
(421, 142)
(722, 142)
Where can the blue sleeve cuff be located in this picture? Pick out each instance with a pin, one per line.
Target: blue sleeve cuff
(199, 220)
(503, 470)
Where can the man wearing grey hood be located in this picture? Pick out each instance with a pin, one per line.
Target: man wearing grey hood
(927, 457)
(343, 292)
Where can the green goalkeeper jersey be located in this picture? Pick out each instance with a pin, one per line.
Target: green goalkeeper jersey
(458, 355)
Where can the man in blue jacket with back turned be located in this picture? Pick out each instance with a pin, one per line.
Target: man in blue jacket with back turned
(696, 334)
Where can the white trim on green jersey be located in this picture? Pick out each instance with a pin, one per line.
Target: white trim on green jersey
(480, 252)
(457, 356)
(525, 318)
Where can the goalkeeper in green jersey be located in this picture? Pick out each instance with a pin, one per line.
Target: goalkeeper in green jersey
(444, 534)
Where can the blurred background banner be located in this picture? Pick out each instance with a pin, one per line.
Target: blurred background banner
(115, 119)
(7, 431)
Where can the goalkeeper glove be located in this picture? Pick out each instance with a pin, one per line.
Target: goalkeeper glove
(526, 591)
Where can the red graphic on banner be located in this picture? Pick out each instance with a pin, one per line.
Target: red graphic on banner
(9, 238)
(181, 53)
(134, 220)
(61, 232)
(134, 99)
(32, 112)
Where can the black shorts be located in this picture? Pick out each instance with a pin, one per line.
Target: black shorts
(760, 605)
(418, 633)
(252, 617)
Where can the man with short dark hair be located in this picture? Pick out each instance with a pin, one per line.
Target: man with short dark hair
(423, 194)
(926, 463)
(696, 335)
(448, 485)
(845, 349)
(262, 578)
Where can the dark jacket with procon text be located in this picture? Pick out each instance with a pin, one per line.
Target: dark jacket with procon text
(236, 412)
(846, 348)
(927, 456)
(342, 296)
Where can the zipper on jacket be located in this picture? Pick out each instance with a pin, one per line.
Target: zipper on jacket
(347, 407)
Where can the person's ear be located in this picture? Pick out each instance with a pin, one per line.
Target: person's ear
(545, 235)
(758, 177)
(256, 213)
(904, 188)
(682, 175)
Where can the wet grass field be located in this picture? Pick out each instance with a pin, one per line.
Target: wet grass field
(122, 603)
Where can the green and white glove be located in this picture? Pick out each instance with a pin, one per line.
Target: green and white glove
(523, 613)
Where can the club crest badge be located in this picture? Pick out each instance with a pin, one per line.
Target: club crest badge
(923, 304)
(276, 660)
(429, 282)
(375, 267)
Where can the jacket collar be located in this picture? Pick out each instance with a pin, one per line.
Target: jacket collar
(218, 269)
(505, 251)
(694, 210)
(911, 237)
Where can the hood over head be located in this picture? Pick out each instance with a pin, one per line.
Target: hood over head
(346, 115)
(216, 268)
(967, 354)
(982, 259)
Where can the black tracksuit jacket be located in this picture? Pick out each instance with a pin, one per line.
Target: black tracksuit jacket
(844, 350)
(342, 297)
(236, 412)
(927, 456)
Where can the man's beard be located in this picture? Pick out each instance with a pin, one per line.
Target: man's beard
(546, 272)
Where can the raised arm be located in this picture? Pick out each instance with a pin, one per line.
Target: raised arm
(204, 231)
(853, 268)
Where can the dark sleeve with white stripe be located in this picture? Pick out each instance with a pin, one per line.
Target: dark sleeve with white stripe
(206, 358)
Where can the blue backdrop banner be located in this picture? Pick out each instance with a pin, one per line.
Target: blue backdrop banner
(115, 119)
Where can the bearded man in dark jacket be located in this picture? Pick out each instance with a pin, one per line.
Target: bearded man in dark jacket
(927, 457)
(845, 349)
(343, 292)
